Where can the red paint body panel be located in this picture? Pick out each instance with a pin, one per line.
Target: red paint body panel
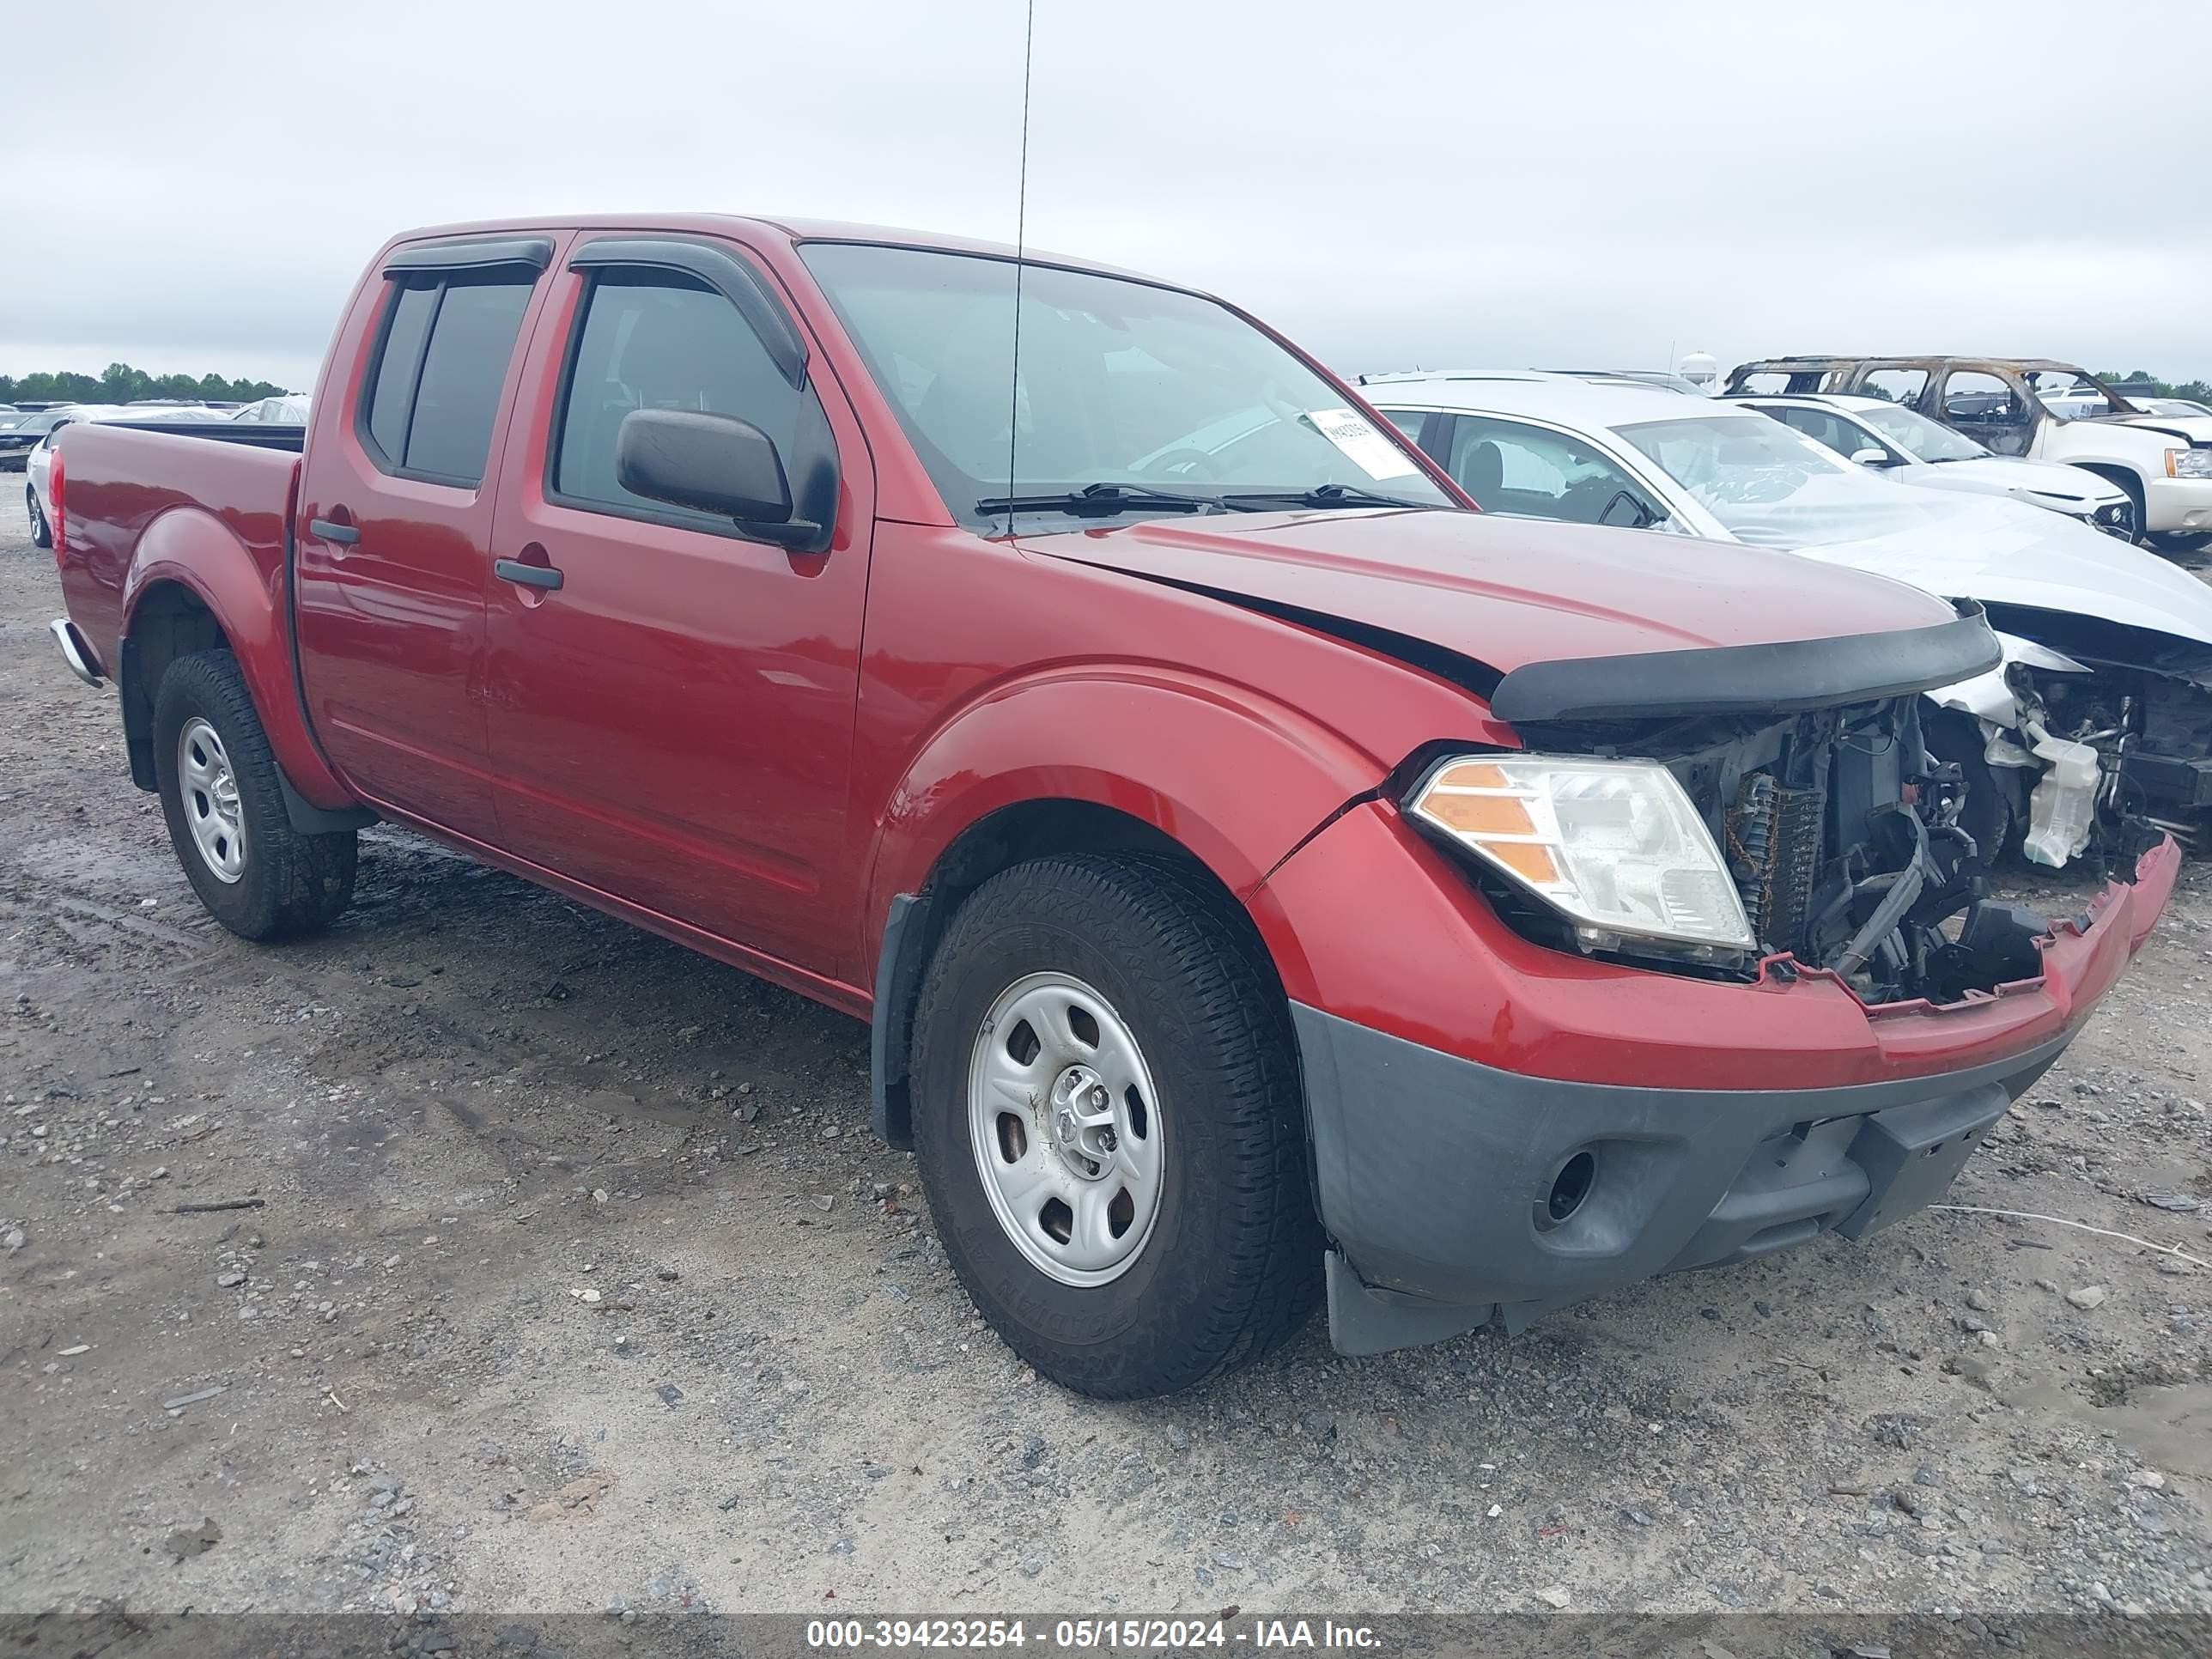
(391, 627)
(754, 752)
(145, 508)
(1475, 583)
(676, 724)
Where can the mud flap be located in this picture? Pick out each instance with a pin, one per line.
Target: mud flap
(1366, 1321)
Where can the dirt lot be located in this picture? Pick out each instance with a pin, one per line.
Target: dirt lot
(576, 1282)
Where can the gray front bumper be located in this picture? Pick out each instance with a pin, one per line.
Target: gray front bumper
(1433, 1174)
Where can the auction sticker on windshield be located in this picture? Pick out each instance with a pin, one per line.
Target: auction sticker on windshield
(1363, 446)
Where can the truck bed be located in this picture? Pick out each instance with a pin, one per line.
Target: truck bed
(130, 489)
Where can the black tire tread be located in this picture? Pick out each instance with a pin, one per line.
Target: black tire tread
(302, 882)
(1232, 997)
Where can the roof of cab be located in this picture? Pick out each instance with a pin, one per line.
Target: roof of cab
(794, 231)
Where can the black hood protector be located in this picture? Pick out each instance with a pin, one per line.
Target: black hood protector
(1782, 679)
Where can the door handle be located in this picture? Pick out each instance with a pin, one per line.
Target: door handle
(529, 575)
(330, 530)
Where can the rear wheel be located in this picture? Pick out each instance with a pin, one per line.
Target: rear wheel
(1108, 1122)
(42, 533)
(257, 875)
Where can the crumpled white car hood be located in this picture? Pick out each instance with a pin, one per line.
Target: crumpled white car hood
(2004, 552)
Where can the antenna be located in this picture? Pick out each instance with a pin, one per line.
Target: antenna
(1021, 241)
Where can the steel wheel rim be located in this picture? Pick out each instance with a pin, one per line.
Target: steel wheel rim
(209, 788)
(1066, 1129)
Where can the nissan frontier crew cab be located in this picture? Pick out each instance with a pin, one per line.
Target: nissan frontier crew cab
(1264, 877)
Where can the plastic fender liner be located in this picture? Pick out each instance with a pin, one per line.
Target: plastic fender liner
(1751, 679)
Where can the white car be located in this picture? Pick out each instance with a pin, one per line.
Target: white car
(39, 465)
(2037, 409)
(2103, 712)
(286, 409)
(1912, 449)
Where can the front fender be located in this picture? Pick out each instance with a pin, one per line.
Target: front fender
(1235, 778)
(243, 589)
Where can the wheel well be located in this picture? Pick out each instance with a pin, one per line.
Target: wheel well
(2126, 477)
(169, 621)
(1014, 834)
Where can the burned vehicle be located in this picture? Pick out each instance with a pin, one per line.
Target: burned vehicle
(2101, 714)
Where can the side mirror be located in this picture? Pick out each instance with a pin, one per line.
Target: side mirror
(715, 464)
(1624, 512)
(1871, 457)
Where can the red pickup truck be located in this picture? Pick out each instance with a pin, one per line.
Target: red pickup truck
(1261, 873)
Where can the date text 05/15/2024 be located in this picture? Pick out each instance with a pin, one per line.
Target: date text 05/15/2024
(1087, 1635)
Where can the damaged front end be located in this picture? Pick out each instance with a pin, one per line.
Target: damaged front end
(1841, 834)
(1840, 831)
(2091, 740)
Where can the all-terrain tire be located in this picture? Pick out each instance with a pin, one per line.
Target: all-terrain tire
(286, 883)
(1230, 1268)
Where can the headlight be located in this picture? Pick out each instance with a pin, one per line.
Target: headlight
(2189, 463)
(1614, 846)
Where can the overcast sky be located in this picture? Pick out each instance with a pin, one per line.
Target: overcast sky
(1499, 183)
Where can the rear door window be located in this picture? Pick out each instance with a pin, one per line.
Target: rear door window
(441, 369)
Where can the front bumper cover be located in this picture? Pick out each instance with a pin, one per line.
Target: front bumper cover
(1436, 1175)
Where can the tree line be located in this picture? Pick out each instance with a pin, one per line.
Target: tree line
(123, 383)
(2142, 383)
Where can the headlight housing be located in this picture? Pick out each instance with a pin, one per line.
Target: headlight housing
(2189, 463)
(1614, 846)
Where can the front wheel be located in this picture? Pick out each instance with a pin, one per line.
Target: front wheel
(258, 875)
(42, 533)
(1108, 1126)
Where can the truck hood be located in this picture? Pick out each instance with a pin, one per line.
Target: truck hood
(2190, 429)
(2008, 553)
(1504, 592)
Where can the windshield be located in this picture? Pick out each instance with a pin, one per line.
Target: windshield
(1769, 486)
(1916, 435)
(1122, 384)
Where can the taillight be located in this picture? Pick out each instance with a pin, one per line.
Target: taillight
(54, 497)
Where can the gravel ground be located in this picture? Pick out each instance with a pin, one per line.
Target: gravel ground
(576, 1281)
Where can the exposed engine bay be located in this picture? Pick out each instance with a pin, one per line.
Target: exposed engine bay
(1842, 834)
(2090, 739)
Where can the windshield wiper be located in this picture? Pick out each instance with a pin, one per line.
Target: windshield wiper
(1101, 501)
(1328, 495)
